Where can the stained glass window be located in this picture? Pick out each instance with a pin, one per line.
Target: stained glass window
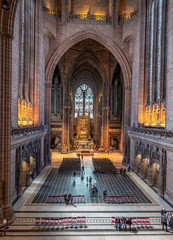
(83, 100)
(159, 50)
(151, 52)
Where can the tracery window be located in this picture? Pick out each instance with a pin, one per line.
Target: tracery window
(151, 52)
(83, 101)
(155, 83)
(159, 42)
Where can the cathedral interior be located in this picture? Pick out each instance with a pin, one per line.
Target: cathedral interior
(85, 91)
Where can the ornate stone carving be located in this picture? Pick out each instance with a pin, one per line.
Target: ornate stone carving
(159, 133)
(23, 131)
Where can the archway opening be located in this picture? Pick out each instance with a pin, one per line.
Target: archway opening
(138, 163)
(86, 91)
(155, 174)
(24, 174)
(145, 167)
(32, 168)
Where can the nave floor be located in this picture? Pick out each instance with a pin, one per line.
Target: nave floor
(98, 215)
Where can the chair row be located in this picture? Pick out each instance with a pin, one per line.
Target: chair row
(70, 164)
(64, 222)
(140, 220)
(104, 165)
(119, 198)
(60, 199)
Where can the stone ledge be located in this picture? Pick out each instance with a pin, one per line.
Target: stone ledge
(23, 131)
(161, 133)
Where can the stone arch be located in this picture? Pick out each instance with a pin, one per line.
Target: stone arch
(155, 173)
(115, 142)
(25, 173)
(145, 166)
(138, 161)
(98, 37)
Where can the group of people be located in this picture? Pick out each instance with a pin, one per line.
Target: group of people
(121, 223)
(93, 190)
(166, 220)
(68, 198)
(123, 171)
(89, 179)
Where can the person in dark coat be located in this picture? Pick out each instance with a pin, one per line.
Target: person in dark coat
(104, 193)
(164, 221)
(74, 173)
(129, 222)
(124, 171)
(65, 198)
(163, 211)
(117, 223)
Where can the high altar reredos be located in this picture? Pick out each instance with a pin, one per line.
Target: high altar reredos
(83, 139)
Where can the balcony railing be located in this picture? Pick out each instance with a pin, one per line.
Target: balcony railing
(127, 16)
(27, 130)
(51, 12)
(90, 18)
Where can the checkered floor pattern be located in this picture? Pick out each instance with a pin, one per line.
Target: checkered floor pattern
(58, 183)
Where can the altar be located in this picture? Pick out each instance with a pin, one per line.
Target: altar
(83, 139)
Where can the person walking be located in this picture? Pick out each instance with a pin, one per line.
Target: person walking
(87, 179)
(95, 188)
(124, 171)
(83, 168)
(90, 179)
(104, 193)
(74, 173)
(121, 171)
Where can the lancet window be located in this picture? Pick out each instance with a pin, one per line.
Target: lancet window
(83, 101)
(155, 65)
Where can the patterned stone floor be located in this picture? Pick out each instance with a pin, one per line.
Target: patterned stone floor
(98, 215)
(58, 183)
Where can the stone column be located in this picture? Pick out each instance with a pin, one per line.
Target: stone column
(47, 160)
(5, 125)
(105, 128)
(133, 155)
(161, 174)
(110, 7)
(116, 13)
(115, 98)
(65, 129)
(19, 171)
(64, 11)
(69, 7)
(126, 124)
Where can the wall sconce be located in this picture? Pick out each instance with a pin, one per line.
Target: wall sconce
(5, 4)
